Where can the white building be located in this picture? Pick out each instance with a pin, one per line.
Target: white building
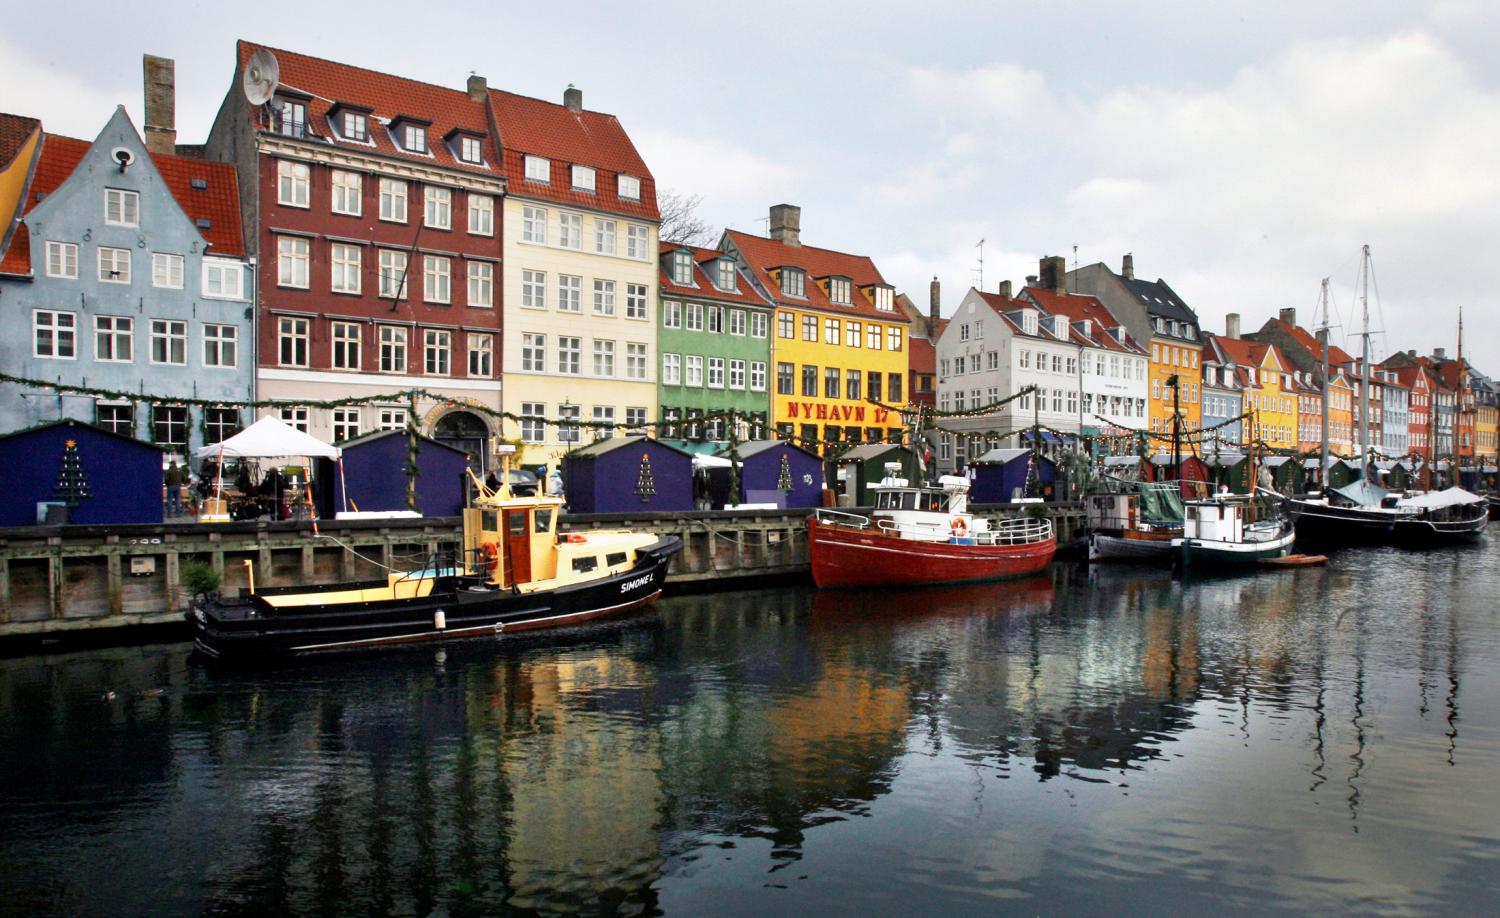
(1112, 367)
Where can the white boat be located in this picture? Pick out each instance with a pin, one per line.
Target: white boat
(1137, 525)
(1224, 531)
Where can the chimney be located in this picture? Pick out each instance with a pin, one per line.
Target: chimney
(1289, 316)
(1031, 280)
(786, 224)
(573, 98)
(479, 88)
(934, 302)
(1232, 325)
(1127, 266)
(161, 103)
(1439, 353)
(1005, 290)
(1054, 270)
(1411, 352)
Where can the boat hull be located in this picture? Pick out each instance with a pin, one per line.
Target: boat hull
(1422, 532)
(843, 556)
(1213, 553)
(246, 631)
(1105, 546)
(1318, 524)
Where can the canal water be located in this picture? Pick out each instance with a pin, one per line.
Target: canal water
(1319, 740)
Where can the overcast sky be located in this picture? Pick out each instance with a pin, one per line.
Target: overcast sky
(1242, 151)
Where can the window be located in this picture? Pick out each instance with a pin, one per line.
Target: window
(851, 384)
(114, 265)
(220, 346)
(757, 375)
(62, 259)
(873, 380)
(963, 332)
(885, 299)
(437, 352)
(567, 433)
(785, 325)
(117, 418)
(346, 345)
(695, 317)
(345, 424)
(393, 200)
(758, 325)
(716, 320)
(414, 138)
(533, 353)
(392, 349)
(290, 118)
(538, 169)
(694, 375)
(838, 290)
(737, 322)
(293, 183)
(1025, 360)
(166, 270)
(534, 289)
(348, 193)
(347, 266)
(534, 225)
(635, 422)
(960, 365)
(583, 178)
(113, 338)
(630, 188)
(604, 297)
(671, 314)
(391, 419)
(293, 256)
(853, 332)
(682, 269)
(355, 126)
(122, 208)
(604, 415)
(481, 284)
(893, 338)
(291, 337)
(727, 278)
(533, 427)
(636, 239)
(569, 293)
(831, 331)
(716, 372)
(635, 360)
(810, 381)
(169, 342)
(809, 328)
(570, 231)
(481, 214)
(872, 336)
(223, 280)
(393, 274)
(784, 379)
(295, 416)
(604, 358)
(169, 426)
(569, 352)
(437, 279)
(992, 360)
(437, 207)
(604, 236)
(831, 377)
(671, 369)
(635, 301)
(792, 282)
(470, 149)
(736, 373)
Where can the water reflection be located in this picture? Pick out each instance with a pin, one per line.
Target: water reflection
(731, 743)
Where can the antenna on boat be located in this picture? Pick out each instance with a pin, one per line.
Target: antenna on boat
(1323, 301)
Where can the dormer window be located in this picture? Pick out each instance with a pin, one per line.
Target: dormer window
(630, 188)
(583, 178)
(414, 138)
(838, 290)
(885, 299)
(793, 281)
(355, 126)
(728, 277)
(538, 169)
(289, 117)
(682, 269)
(1028, 321)
(470, 149)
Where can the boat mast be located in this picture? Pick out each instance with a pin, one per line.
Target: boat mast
(1323, 340)
(1364, 363)
(1176, 385)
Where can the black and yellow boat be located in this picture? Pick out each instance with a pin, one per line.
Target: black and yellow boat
(515, 572)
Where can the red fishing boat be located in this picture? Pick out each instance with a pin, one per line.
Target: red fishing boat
(923, 535)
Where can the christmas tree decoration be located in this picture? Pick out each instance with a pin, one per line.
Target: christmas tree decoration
(645, 485)
(72, 484)
(784, 477)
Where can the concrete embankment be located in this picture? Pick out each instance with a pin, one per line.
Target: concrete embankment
(60, 580)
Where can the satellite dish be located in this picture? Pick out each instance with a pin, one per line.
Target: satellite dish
(261, 74)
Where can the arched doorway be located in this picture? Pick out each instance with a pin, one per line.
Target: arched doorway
(462, 430)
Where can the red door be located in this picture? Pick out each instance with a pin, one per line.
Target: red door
(517, 547)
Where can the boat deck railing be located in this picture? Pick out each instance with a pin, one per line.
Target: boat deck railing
(1017, 531)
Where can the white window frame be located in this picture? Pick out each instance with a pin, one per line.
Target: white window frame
(481, 215)
(481, 351)
(481, 284)
(569, 355)
(437, 352)
(293, 262)
(166, 270)
(293, 184)
(347, 193)
(636, 357)
(62, 259)
(637, 241)
(759, 325)
(345, 268)
(693, 371)
(394, 351)
(570, 230)
(172, 335)
(533, 289)
(671, 369)
(437, 207)
(110, 261)
(394, 194)
(635, 302)
(569, 293)
(533, 427)
(119, 332)
(414, 139)
(737, 374)
(352, 345)
(534, 225)
(437, 279)
(671, 314)
(694, 317)
(217, 274)
(538, 169)
(298, 332)
(758, 375)
(533, 352)
(219, 340)
(604, 297)
(584, 178)
(470, 150)
(604, 358)
(122, 207)
(346, 424)
(394, 273)
(605, 236)
(630, 187)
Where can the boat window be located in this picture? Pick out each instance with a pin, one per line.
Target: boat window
(937, 503)
(883, 501)
(489, 520)
(544, 520)
(908, 500)
(517, 523)
(614, 557)
(584, 565)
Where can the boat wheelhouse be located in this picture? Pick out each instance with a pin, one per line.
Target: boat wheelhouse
(1138, 524)
(1232, 530)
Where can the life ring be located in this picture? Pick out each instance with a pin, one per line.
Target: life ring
(960, 527)
(491, 553)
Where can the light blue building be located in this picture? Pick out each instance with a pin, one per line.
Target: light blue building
(127, 273)
(1223, 396)
(1396, 415)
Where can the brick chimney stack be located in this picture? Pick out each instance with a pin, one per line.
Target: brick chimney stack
(1005, 290)
(573, 98)
(1053, 273)
(160, 75)
(479, 88)
(1289, 315)
(934, 307)
(786, 224)
(1232, 325)
(1439, 354)
(1127, 267)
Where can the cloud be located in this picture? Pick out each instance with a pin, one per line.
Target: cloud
(724, 173)
(1003, 91)
(54, 92)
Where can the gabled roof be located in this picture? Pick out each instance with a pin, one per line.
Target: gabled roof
(707, 278)
(1159, 299)
(756, 447)
(764, 254)
(1079, 307)
(1248, 353)
(532, 126)
(387, 97)
(1337, 356)
(609, 445)
(15, 130)
(1008, 309)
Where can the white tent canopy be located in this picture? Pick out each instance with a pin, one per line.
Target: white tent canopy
(703, 461)
(1435, 500)
(268, 438)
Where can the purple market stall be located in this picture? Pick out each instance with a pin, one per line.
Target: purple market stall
(628, 474)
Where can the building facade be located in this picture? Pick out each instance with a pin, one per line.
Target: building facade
(1395, 439)
(1270, 398)
(1223, 398)
(715, 346)
(127, 274)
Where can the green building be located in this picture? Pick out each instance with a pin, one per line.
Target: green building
(714, 338)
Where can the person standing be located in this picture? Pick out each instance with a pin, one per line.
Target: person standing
(174, 479)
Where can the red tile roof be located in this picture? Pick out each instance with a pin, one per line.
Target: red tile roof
(764, 254)
(1337, 356)
(532, 126)
(219, 203)
(706, 289)
(388, 97)
(1249, 353)
(921, 357)
(15, 130)
(1077, 307)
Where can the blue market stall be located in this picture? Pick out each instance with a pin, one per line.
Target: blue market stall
(628, 474)
(374, 476)
(100, 478)
(774, 472)
(1000, 476)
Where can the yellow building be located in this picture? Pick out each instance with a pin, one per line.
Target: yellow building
(1273, 395)
(1174, 355)
(838, 343)
(1340, 415)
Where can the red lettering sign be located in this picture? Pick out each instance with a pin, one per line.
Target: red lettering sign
(859, 413)
(822, 412)
(791, 409)
(881, 414)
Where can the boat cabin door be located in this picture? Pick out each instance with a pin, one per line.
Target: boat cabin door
(517, 547)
